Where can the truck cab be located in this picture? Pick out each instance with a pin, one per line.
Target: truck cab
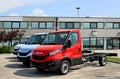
(25, 51)
(60, 50)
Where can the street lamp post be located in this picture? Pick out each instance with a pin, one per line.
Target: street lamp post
(78, 8)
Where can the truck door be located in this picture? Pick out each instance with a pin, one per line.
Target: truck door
(74, 50)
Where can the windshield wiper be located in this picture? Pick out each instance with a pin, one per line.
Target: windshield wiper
(51, 44)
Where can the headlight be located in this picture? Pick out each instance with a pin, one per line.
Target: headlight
(54, 52)
(30, 53)
(16, 47)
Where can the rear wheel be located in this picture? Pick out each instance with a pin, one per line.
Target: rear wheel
(64, 68)
(102, 60)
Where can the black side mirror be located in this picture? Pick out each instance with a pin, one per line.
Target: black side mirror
(67, 44)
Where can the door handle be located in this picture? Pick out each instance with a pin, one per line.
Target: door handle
(78, 49)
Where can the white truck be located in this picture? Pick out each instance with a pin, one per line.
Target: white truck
(25, 51)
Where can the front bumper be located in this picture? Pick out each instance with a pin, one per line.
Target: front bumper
(25, 59)
(47, 65)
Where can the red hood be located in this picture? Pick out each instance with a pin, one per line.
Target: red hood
(43, 50)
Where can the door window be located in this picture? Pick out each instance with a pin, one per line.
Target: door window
(73, 38)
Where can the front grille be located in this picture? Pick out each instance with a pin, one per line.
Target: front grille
(26, 59)
(39, 57)
(23, 54)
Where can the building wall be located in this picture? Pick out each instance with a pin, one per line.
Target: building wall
(88, 19)
(90, 33)
(96, 33)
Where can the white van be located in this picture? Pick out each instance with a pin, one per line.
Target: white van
(25, 51)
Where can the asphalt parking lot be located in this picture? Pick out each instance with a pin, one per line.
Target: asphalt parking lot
(10, 68)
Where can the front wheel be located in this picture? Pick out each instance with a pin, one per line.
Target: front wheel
(102, 60)
(64, 68)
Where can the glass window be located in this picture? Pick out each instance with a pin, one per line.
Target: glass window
(34, 25)
(77, 25)
(100, 43)
(7, 25)
(49, 25)
(109, 43)
(41, 24)
(73, 38)
(93, 43)
(5, 43)
(15, 42)
(55, 38)
(15, 24)
(85, 43)
(116, 25)
(36, 39)
(22, 41)
(93, 25)
(86, 25)
(116, 43)
(113, 43)
(62, 25)
(69, 25)
(24, 25)
(109, 25)
(100, 25)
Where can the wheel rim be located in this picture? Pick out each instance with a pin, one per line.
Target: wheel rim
(65, 68)
(104, 61)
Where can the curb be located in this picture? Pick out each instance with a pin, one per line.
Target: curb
(114, 62)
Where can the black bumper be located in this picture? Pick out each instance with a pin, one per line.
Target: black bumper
(47, 65)
(26, 59)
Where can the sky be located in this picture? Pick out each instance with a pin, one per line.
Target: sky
(65, 8)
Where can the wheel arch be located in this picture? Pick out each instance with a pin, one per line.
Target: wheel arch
(68, 59)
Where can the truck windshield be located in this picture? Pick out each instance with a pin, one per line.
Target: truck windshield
(24, 40)
(36, 39)
(55, 38)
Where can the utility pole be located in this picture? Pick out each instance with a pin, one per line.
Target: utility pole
(78, 8)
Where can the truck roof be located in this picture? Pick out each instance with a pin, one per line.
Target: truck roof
(67, 30)
(40, 33)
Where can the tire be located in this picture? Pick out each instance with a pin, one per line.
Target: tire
(64, 68)
(27, 64)
(102, 60)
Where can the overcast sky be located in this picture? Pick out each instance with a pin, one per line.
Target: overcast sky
(99, 8)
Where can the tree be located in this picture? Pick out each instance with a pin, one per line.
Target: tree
(3, 35)
(11, 35)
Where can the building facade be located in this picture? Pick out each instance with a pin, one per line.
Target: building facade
(97, 32)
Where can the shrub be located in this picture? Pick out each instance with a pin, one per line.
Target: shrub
(6, 49)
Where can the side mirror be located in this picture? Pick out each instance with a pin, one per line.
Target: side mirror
(67, 44)
(15, 43)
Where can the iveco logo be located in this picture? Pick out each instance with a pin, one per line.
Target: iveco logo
(39, 53)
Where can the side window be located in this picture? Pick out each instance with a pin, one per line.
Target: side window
(73, 38)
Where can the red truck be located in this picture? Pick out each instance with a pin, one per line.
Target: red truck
(62, 49)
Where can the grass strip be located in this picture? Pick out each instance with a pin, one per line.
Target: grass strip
(113, 59)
